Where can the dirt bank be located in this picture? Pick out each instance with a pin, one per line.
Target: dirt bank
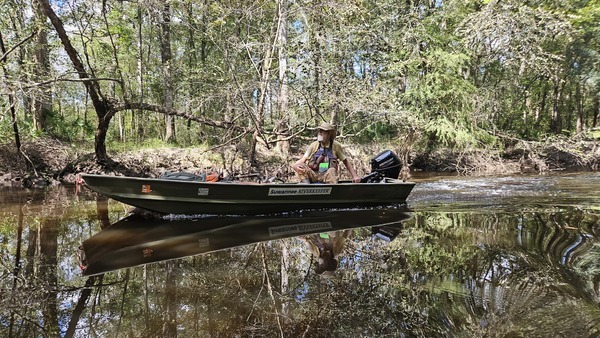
(50, 161)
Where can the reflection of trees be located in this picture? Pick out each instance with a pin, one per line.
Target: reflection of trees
(447, 274)
(529, 287)
(40, 238)
(495, 274)
(31, 303)
(47, 274)
(17, 269)
(170, 301)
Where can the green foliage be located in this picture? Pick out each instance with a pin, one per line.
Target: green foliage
(377, 131)
(25, 127)
(128, 146)
(6, 132)
(454, 72)
(70, 127)
(450, 134)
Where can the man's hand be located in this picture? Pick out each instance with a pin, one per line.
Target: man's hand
(300, 168)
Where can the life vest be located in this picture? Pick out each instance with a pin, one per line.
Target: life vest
(323, 156)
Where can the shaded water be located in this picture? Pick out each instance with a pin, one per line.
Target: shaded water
(502, 256)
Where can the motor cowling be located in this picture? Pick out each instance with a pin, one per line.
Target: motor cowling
(386, 164)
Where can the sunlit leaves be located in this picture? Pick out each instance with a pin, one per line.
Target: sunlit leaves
(517, 36)
(450, 134)
(486, 67)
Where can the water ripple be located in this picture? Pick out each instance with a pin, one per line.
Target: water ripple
(507, 192)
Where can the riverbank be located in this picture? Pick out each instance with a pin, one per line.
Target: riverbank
(50, 161)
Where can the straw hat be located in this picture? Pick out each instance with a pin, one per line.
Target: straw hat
(326, 126)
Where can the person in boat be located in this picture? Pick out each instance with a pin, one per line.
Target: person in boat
(320, 162)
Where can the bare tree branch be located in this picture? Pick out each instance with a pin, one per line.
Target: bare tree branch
(162, 110)
(5, 54)
(43, 83)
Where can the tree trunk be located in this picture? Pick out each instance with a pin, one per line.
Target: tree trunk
(42, 101)
(579, 102)
(317, 67)
(166, 59)
(100, 141)
(204, 41)
(263, 91)
(555, 124)
(596, 113)
(137, 126)
(282, 127)
(11, 100)
(541, 108)
(101, 106)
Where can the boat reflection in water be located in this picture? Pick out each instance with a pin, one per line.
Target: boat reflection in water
(138, 240)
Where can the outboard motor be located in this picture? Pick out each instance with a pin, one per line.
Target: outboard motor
(387, 233)
(386, 164)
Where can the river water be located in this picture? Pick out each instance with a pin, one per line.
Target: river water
(514, 256)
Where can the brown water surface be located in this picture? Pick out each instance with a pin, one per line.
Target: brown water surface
(514, 256)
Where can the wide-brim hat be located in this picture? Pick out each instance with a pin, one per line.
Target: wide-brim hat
(326, 126)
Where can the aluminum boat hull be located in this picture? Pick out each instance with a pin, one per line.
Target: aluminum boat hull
(224, 198)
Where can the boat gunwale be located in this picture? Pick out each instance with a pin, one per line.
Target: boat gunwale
(387, 181)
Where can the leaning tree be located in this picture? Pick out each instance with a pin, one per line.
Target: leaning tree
(106, 106)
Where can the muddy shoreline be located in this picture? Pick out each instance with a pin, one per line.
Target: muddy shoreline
(51, 162)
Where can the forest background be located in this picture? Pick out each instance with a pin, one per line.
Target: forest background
(473, 86)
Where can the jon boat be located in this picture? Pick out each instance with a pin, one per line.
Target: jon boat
(181, 195)
(137, 240)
